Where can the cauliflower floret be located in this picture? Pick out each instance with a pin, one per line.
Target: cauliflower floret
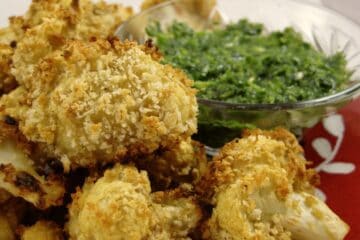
(119, 205)
(45, 26)
(103, 100)
(261, 189)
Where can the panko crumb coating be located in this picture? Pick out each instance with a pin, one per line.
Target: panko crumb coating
(45, 26)
(102, 101)
(119, 205)
(247, 180)
(42, 229)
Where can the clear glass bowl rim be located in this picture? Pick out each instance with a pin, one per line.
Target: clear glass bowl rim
(343, 95)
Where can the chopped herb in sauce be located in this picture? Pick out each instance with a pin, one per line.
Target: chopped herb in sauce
(243, 64)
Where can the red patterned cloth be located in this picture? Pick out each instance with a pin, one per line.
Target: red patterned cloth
(340, 175)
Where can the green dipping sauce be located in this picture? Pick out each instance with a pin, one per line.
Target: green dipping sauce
(243, 64)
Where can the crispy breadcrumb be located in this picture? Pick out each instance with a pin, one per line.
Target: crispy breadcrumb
(101, 101)
(258, 186)
(183, 163)
(119, 205)
(41, 230)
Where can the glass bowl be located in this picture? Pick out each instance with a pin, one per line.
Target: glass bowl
(325, 29)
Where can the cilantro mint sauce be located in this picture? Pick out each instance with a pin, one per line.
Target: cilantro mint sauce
(241, 63)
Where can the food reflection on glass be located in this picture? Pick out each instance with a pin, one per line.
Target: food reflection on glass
(96, 134)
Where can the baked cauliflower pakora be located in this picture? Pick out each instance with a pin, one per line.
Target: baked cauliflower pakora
(103, 100)
(120, 205)
(260, 189)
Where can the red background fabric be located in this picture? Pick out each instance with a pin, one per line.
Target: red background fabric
(342, 190)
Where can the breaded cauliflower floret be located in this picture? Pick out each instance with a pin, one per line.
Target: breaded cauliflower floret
(261, 189)
(185, 162)
(119, 206)
(102, 101)
(44, 28)
(18, 172)
(41, 230)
